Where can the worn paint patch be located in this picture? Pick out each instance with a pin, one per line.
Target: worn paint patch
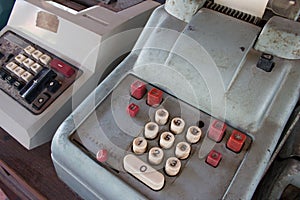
(280, 37)
(47, 21)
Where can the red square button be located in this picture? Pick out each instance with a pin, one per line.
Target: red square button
(138, 89)
(214, 158)
(217, 130)
(62, 67)
(236, 141)
(154, 97)
(133, 109)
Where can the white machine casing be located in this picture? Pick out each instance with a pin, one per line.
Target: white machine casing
(91, 39)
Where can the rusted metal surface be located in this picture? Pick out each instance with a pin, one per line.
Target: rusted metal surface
(280, 37)
(183, 9)
(289, 9)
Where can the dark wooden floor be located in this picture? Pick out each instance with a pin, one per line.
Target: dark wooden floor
(29, 174)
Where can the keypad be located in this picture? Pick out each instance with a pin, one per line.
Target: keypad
(28, 77)
(168, 140)
(159, 139)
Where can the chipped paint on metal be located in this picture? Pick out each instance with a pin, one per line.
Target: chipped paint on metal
(183, 9)
(280, 37)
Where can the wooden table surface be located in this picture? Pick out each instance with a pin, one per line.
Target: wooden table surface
(30, 174)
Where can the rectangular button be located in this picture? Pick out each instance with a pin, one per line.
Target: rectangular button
(18, 85)
(138, 89)
(133, 109)
(18, 71)
(3, 74)
(154, 97)
(40, 101)
(37, 54)
(10, 80)
(236, 141)
(62, 67)
(36, 68)
(28, 62)
(20, 58)
(26, 76)
(214, 158)
(217, 130)
(29, 50)
(11, 66)
(45, 59)
(144, 172)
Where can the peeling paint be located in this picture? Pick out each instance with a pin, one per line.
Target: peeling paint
(183, 9)
(280, 37)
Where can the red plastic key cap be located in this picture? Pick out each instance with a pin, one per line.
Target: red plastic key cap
(133, 109)
(154, 97)
(236, 141)
(214, 158)
(138, 89)
(217, 130)
(62, 67)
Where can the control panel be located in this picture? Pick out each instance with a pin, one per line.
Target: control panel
(31, 75)
(156, 138)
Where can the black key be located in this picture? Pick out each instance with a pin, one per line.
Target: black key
(10, 56)
(37, 85)
(40, 101)
(19, 85)
(53, 86)
(1, 55)
(10, 80)
(266, 62)
(3, 74)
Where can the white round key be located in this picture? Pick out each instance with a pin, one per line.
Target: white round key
(151, 130)
(161, 116)
(177, 125)
(139, 145)
(182, 150)
(156, 155)
(166, 140)
(193, 134)
(172, 166)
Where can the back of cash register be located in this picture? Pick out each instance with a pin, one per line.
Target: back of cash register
(198, 110)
